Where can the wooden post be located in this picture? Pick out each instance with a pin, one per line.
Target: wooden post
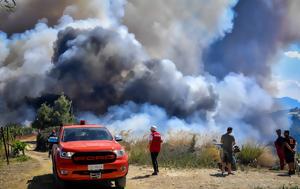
(7, 139)
(3, 137)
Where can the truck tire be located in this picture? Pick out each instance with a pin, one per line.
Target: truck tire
(120, 183)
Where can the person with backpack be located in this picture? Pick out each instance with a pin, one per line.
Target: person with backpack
(289, 151)
(227, 141)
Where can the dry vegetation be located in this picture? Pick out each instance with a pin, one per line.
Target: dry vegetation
(189, 150)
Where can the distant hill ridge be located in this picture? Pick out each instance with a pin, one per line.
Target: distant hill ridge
(288, 103)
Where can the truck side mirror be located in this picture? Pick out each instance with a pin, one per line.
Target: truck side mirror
(53, 140)
(118, 138)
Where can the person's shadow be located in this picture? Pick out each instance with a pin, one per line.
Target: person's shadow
(283, 175)
(140, 177)
(218, 175)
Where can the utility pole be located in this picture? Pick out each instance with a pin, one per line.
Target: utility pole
(3, 137)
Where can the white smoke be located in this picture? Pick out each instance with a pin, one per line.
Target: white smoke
(138, 117)
(179, 30)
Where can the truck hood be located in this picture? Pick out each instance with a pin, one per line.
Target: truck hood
(90, 146)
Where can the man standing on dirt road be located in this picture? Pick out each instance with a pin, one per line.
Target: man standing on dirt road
(289, 151)
(228, 142)
(279, 148)
(52, 134)
(155, 141)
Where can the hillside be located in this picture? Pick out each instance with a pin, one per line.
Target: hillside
(287, 103)
(295, 127)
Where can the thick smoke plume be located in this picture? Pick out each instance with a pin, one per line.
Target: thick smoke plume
(111, 68)
(136, 63)
(179, 30)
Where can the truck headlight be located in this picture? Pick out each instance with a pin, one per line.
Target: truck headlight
(66, 155)
(119, 153)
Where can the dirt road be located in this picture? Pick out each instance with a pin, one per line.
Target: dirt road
(39, 176)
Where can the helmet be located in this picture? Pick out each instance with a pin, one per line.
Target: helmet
(153, 128)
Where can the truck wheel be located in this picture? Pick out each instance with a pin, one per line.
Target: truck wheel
(120, 182)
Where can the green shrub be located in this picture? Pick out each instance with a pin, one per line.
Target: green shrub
(22, 158)
(18, 147)
(249, 154)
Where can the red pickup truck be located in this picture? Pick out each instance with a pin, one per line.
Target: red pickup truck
(87, 153)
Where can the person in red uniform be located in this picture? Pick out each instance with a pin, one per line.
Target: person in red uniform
(279, 145)
(155, 141)
(289, 151)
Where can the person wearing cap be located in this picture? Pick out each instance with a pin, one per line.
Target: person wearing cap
(279, 148)
(155, 141)
(289, 151)
(228, 142)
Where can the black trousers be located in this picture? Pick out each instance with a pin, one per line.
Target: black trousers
(154, 161)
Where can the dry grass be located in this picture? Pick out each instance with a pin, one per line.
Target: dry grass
(179, 150)
(190, 150)
(267, 158)
(256, 155)
(18, 169)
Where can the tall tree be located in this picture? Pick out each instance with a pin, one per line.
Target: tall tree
(43, 117)
(62, 111)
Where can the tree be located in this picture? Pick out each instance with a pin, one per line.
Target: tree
(62, 111)
(48, 118)
(43, 117)
(57, 115)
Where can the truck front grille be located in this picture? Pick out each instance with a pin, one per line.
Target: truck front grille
(88, 158)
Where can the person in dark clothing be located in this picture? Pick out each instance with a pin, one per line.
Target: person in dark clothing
(52, 134)
(289, 151)
(155, 141)
(279, 145)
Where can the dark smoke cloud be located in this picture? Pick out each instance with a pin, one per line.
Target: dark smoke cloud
(29, 12)
(252, 45)
(109, 68)
(163, 85)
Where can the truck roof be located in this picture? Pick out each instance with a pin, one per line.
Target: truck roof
(81, 126)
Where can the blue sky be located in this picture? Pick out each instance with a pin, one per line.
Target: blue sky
(287, 72)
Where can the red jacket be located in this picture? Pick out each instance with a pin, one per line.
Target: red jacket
(279, 145)
(155, 143)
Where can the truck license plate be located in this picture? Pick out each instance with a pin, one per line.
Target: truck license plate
(95, 175)
(96, 167)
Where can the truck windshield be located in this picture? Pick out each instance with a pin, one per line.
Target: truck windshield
(78, 134)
